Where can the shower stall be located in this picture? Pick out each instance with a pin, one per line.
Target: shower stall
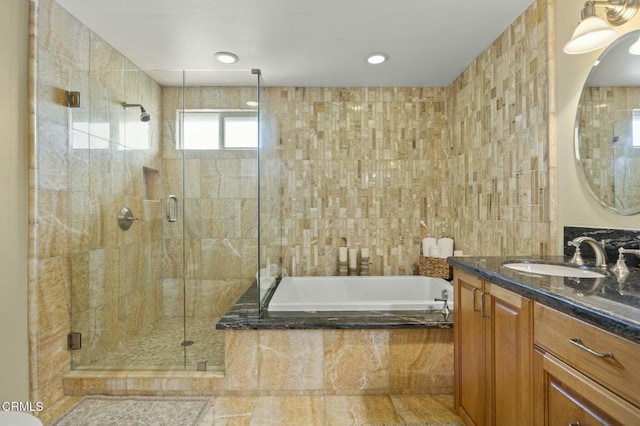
(175, 213)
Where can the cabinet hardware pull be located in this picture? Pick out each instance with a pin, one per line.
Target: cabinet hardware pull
(473, 292)
(482, 304)
(576, 341)
(574, 424)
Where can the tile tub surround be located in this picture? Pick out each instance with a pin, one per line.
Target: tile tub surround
(592, 300)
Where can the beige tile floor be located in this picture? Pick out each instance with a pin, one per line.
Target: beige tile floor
(331, 410)
(338, 410)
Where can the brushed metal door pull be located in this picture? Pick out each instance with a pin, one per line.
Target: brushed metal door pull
(482, 313)
(576, 341)
(171, 208)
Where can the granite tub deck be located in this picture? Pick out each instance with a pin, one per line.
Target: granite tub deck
(243, 315)
(608, 303)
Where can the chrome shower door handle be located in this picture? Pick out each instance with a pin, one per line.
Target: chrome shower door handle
(171, 208)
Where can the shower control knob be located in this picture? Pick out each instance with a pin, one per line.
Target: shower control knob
(126, 218)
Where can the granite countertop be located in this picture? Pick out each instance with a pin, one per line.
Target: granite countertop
(609, 303)
(244, 316)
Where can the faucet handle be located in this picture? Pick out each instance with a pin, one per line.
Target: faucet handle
(444, 296)
(577, 256)
(620, 269)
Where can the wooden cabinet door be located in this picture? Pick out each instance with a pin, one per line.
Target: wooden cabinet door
(574, 399)
(567, 408)
(469, 361)
(509, 337)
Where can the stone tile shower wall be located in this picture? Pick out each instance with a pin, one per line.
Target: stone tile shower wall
(220, 204)
(82, 172)
(363, 164)
(497, 149)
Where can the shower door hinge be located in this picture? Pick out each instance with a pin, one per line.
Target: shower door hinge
(73, 99)
(74, 341)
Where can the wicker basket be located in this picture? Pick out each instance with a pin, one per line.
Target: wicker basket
(435, 267)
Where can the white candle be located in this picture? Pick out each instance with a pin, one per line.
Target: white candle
(353, 258)
(343, 254)
(364, 252)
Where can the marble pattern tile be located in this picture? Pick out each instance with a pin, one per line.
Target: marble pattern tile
(290, 360)
(356, 360)
(421, 361)
(275, 411)
(360, 409)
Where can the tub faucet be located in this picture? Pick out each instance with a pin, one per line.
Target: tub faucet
(444, 296)
(601, 256)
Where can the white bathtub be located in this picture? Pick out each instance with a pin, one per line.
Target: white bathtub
(372, 293)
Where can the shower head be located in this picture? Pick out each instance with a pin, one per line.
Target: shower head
(144, 115)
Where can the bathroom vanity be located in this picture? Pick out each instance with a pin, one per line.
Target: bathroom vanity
(543, 349)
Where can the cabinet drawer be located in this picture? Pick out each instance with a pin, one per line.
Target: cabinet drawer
(554, 331)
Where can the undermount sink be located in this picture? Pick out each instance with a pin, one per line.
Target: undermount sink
(554, 268)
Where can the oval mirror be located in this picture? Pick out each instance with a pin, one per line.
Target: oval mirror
(607, 134)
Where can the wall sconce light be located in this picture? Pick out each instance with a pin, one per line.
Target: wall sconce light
(593, 32)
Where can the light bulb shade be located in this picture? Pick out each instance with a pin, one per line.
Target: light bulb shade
(634, 49)
(591, 34)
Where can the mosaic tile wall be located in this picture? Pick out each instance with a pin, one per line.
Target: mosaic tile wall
(471, 161)
(364, 165)
(497, 150)
(607, 152)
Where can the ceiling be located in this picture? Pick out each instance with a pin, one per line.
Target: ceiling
(320, 43)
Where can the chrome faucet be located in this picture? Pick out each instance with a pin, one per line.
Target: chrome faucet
(445, 308)
(601, 256)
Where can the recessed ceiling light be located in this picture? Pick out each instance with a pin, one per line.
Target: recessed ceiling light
(226, 57)
(377, 58)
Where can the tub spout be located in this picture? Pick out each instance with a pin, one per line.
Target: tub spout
(445, 308)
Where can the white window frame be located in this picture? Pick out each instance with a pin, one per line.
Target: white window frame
(221, 114)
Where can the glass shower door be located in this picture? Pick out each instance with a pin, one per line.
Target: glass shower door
(218, 139)
(116, 225)
(164, 227)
